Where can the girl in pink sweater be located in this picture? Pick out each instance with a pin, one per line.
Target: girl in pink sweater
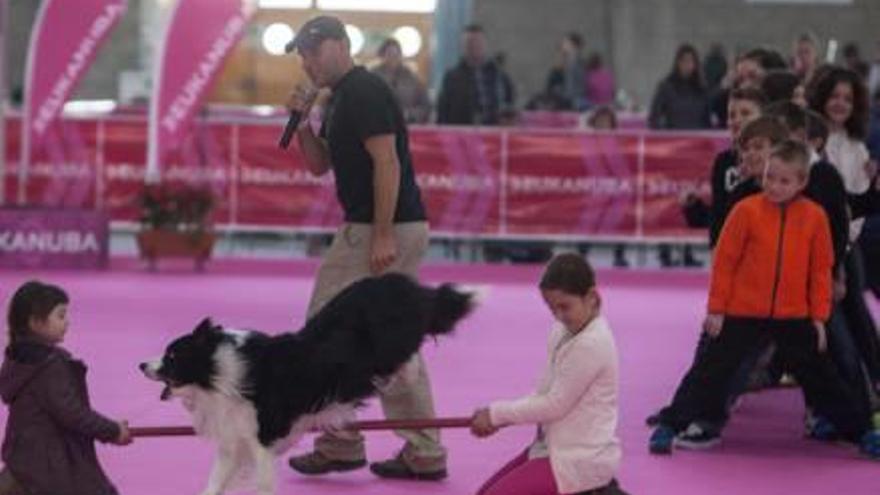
(576, 450)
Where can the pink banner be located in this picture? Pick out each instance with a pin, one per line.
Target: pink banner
(53, 238)
(124, 164)
(198, 37)
(62, 172)
(13, 151)
(275, 188)
(460, 177)
(572, 184)
(491, 183)
(673, 167)
(65, 38)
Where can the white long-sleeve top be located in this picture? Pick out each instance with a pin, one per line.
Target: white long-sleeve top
(575, 406)
(849, 156)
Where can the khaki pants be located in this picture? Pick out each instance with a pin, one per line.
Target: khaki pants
(347, 261)
(8, 485)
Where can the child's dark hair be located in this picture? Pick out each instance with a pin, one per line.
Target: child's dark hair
(764, 126)
(600, 111)
(779, 85)
(794, 153)
(34, 299)
(754, 95)
(790, 114)
(817, 128)
(570, 273)
(857, 124)
(767, 58)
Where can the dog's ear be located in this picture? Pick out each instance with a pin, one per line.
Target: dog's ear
(205, 328)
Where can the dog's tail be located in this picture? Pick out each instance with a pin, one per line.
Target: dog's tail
(451, 303)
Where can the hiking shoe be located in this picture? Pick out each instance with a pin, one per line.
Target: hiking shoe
(397, 468)
(316, 463)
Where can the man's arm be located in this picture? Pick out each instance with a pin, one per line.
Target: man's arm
(386, 186)
(314, 149)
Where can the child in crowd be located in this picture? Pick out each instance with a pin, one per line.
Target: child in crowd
(576, 449)
(771, 282)
(825, 185)
(49, 444)
(754, 144)
(744, 106)
(784, 85)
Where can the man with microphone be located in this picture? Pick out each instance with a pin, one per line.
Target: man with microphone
(363, 139)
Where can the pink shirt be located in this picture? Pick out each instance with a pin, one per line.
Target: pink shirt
(600, 86)
(576, 407)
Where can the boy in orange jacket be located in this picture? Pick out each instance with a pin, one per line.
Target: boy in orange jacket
(771, 281)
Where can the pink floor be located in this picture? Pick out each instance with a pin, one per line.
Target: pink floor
(124, 315)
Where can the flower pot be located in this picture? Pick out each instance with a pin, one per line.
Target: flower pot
(156, 243)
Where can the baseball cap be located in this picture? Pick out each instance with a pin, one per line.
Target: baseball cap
(316, 30)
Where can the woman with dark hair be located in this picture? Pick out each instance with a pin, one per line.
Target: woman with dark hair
(405, 85)
(681, 100)
(841, 97)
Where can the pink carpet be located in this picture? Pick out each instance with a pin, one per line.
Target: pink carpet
(124, 315)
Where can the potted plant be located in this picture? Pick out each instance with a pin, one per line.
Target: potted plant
(175, 222)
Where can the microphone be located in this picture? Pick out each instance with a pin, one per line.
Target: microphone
(289, 129)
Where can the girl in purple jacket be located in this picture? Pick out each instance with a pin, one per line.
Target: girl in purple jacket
(49, 445)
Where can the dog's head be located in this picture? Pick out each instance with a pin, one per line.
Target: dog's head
(188, 360)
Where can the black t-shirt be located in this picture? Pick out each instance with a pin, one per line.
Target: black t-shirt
(363, 106)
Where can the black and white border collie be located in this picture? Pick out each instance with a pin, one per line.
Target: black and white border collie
(255, 394)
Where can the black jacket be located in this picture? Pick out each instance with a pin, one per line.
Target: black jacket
(459, 99)
(826, 187)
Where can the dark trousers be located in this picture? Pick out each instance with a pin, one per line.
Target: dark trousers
(858, 318)
(703, 393)
(736, 386)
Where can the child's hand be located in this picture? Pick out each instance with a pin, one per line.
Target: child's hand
(481, 423)
(687, 198)
(838, 286)
(821, 337)
(712, 324)
(871, 169)
(124, 437)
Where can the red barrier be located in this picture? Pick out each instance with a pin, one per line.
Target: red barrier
(486, 182)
